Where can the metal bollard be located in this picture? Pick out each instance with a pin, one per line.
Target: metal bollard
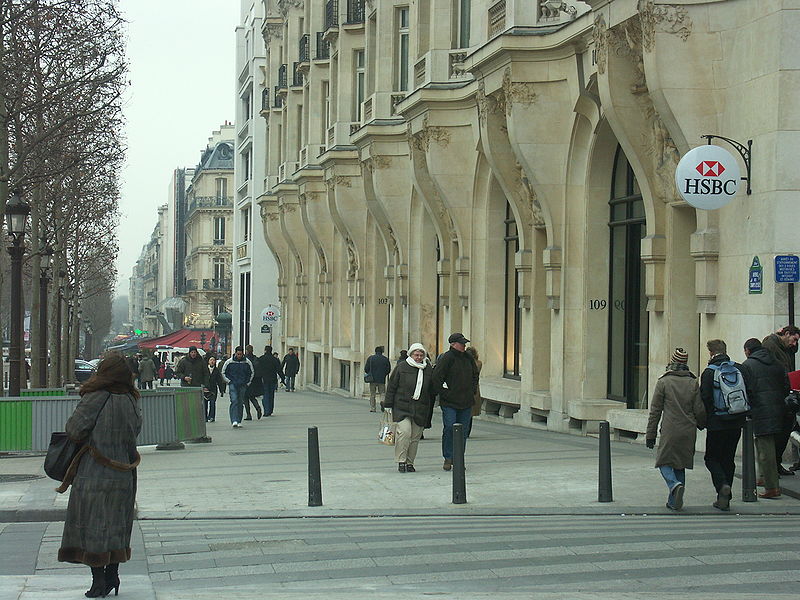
(314, 477)
(748, 464)
(459, 476)
(604, 489)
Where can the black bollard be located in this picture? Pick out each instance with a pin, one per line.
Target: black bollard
(459, 475)
(604, 489)
(748, 464)
(314, 477)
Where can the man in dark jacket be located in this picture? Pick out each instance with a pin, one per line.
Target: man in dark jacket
(723, 430)
(783, 345)
(455, 380)
(192, 370)
(291, 367)
(271, 371)
(237, 373)
(256, 386)
(767, 386)
(376, 369)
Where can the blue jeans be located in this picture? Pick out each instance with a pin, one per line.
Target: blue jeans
(450, 416)
(269, 398)
(289, 382)
(237, 394)
(211, 406)
(672, 477)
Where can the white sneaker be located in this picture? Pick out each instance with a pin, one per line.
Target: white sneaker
(234, 425)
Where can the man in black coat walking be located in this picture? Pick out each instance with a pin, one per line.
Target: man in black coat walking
(270, 368)
(291, 367)
(767, 386)
(722, 430)
(376, 369)
(455, 380)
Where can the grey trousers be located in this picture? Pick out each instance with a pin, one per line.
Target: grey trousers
(765, 458)
(380, 388)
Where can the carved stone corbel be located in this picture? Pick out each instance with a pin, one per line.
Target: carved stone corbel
(551, 258)
(654, 257)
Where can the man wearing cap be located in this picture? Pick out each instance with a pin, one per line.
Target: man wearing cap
(676, 402)
(455, 380)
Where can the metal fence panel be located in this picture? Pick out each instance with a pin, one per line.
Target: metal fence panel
(50, 414)
(158, 417)
(15, 424)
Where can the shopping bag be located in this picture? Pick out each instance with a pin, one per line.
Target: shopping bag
(386, 433)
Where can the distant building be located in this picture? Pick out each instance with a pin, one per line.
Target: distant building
(207, 231)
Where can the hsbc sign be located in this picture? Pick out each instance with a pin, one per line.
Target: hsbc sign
(707, 177)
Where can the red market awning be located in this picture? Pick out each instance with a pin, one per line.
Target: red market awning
(183, 338)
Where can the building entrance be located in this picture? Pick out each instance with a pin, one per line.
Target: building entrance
(628, 319)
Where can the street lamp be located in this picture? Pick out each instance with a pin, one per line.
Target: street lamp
(44, 280)
(17, 212)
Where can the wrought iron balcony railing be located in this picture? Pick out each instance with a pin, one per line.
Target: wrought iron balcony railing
(297, 76)
(323, 47)
(217, 284)
(331, 14)
(278, 103)
(355, 11)
(282, 76)
(305, 51)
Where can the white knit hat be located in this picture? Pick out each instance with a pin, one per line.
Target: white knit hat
(417, 346)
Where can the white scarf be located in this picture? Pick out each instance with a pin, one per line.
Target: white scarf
(421, 367)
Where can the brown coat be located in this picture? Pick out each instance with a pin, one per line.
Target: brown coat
(677, 404)
(99, 519)
(476, 408)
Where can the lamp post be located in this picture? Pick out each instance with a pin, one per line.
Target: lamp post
(17, 212)
(47, 257)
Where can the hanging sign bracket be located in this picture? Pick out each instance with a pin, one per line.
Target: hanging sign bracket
(746, 152)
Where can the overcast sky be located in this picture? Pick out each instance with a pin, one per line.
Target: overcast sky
(182, 73)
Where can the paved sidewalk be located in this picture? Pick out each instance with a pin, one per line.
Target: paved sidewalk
(261, 471)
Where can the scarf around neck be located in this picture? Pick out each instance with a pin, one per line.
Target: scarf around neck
(420, 368)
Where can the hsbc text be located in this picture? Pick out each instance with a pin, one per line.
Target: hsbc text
(710, 186)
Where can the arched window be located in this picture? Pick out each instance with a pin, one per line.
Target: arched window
(511, 356)
(628, 319)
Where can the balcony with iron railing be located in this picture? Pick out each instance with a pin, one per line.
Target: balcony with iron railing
(331, 14)
(297, 75)
(305, 48)
(282, 75)
(209, 202)
(221, 285)
(278, 101)
(355, 12)
(497, 18)
(323, 47)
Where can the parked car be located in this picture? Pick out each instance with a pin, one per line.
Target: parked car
(83, 370)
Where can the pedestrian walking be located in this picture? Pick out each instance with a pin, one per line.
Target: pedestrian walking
(192, 370)
(133, 365)
(783, 346)
(169, 374)
(723, 429)
(455, 380)
(162, 373)
(271, 372)
(255, 388)
(147, 373)
(767, 387)
(99, 520)
(238, 373)
(291, 367)
(408, 394)
(676, 403)
(216, 386)
(376, 369)
(403, 356)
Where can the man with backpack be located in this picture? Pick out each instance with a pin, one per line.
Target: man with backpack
(724, 396)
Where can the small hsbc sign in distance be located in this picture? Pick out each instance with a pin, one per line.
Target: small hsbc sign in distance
(708, 177)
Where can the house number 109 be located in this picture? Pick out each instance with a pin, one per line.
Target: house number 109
(597, 304)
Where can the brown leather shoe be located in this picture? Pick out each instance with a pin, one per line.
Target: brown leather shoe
(448, 464)
(771, 493)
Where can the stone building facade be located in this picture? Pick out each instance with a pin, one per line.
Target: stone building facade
(255, 271)
(506, 169)
(208, 229)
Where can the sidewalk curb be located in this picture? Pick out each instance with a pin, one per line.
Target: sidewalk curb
(32, 515)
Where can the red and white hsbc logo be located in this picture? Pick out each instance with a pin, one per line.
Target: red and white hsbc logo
(710, 168)
(707, 177)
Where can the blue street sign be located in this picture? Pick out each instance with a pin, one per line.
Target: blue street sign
(756, 281)
(787, 268)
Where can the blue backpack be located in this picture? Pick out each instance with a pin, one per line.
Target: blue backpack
(730, 395)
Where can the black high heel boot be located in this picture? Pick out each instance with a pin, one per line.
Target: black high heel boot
(98, 589)
(112, 578)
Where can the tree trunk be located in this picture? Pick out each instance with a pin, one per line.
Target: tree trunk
(36, 276)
